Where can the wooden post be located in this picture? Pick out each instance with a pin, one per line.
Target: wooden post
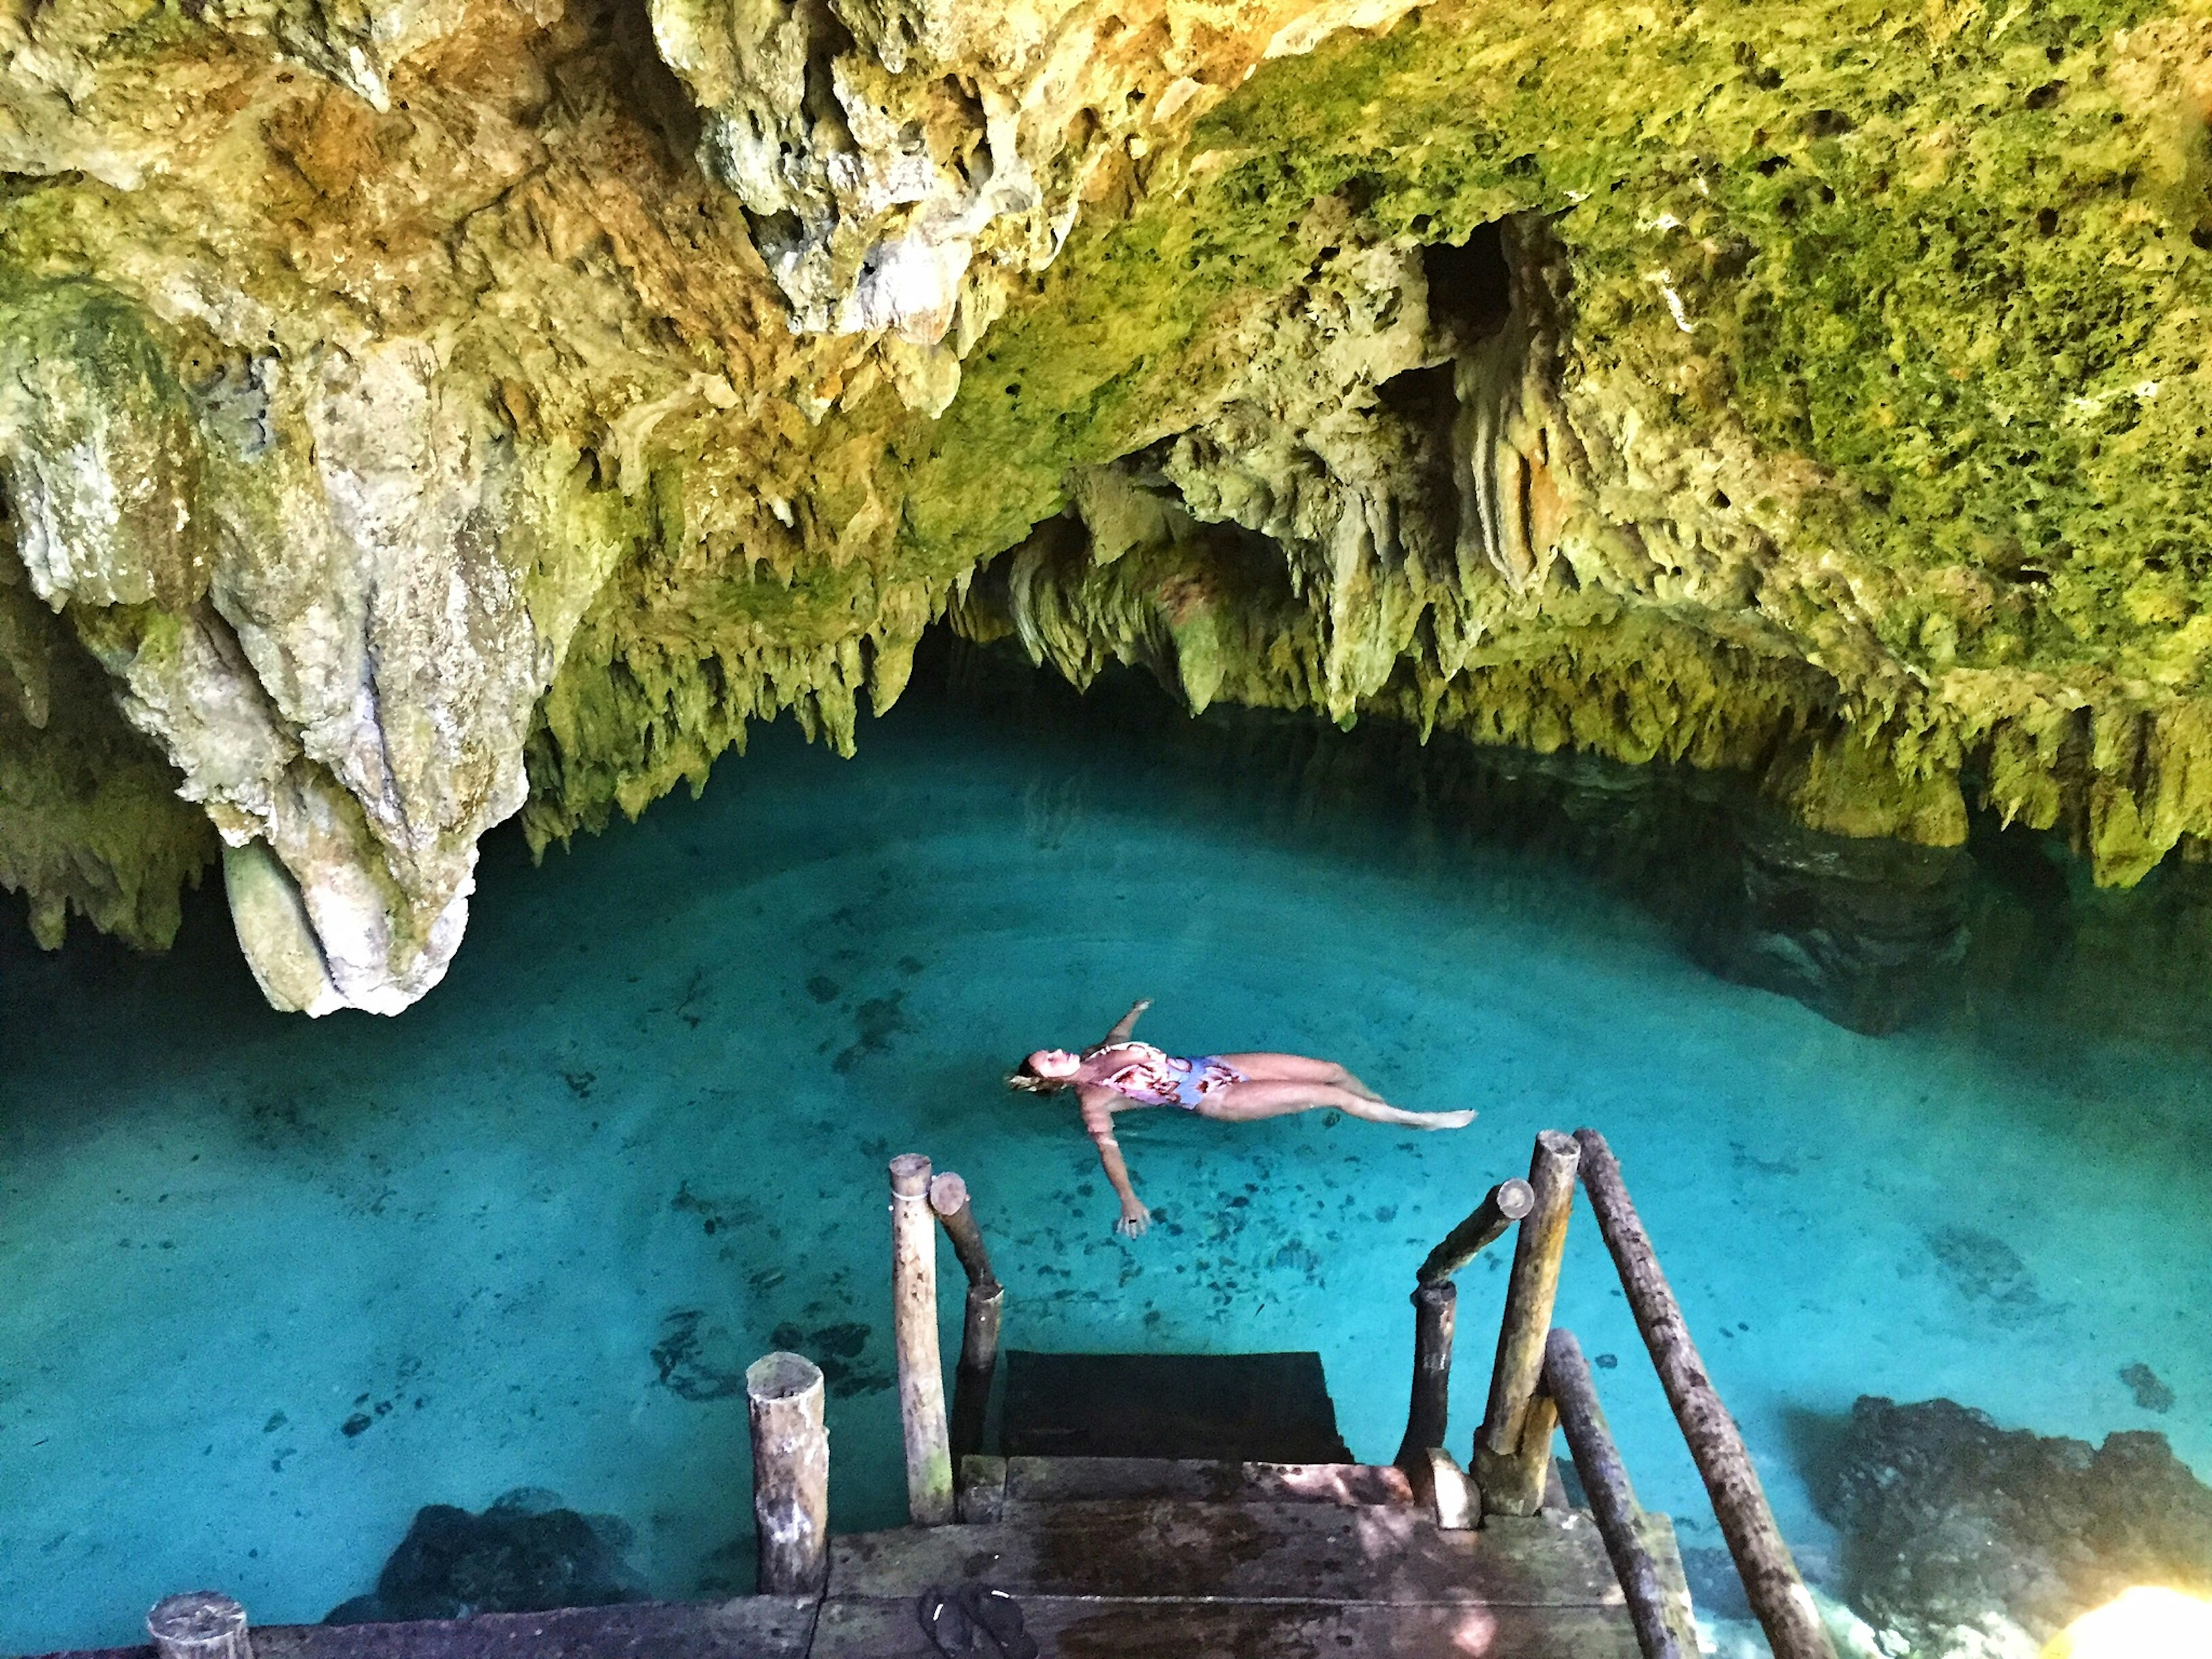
(1612, 1500)
(913, 1329)
(1501, 1206)
(979, 1325)
(978, 1358)
(1763, 1561)
(791, 1474)
(1513, 1447)
(199, 1624)
(948, 1198)
(1435, 1314)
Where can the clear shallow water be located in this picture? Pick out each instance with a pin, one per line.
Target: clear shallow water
(528, 1234)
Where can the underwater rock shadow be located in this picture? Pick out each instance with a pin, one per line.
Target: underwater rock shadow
(524, 1554)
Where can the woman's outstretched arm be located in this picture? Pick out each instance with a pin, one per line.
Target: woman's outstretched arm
(1127, 1023)
(1135, 1218)
(1098, 1120)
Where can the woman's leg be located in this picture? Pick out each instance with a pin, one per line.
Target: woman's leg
(1298, 1068)
(1245, 1102)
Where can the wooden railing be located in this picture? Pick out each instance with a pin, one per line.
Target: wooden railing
(1436, 1306)
(1540, 1382)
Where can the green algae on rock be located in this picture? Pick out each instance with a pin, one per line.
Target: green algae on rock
(494, 408)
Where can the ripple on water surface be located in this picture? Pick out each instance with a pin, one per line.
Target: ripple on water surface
(269, 1287)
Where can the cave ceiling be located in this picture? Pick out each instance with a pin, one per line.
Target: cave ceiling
(419, 416)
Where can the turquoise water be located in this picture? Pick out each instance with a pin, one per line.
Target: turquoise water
(268, 1286)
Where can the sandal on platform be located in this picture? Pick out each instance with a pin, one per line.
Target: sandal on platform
(999, 1616)
(945, 1620)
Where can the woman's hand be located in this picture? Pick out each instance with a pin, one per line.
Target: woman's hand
(1127, 1023)
(1135, 1218)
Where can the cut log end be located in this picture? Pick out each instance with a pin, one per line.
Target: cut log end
(1516, 1198)
(199, 1624)
(782, 1377)
(911, 1175)
(948, 1194)
(194, 1616)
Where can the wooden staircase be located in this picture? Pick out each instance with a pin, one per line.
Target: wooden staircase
(1153, 1559)
(1155, 1530)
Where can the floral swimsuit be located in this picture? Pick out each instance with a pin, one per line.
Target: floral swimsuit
(1154, 1078)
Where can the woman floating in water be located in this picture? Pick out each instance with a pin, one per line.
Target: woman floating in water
(1118, 1075)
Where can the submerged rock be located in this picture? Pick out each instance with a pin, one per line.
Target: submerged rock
(1964, 1538)
(524, 1554)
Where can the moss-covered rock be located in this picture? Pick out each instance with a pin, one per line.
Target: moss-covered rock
(491, 407)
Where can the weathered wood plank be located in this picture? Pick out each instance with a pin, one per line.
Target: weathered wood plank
(1055, 1480)
(749, 1627)
(1087, 1628)
(981, 1488)
(1176, 1548)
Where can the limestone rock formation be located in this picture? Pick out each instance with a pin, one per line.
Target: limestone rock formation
(525, 1553)
(410, 417)
(1966, 1539)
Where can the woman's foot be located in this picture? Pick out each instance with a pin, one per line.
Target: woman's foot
(1443, 1120)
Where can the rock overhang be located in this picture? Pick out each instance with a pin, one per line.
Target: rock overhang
(413, 420)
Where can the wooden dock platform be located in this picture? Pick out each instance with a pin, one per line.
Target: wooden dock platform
(1134, 1557)
(1158, 1559)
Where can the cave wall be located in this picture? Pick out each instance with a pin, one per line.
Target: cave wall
(411, 419)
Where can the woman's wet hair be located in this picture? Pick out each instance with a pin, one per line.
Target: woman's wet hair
(1023, 1079)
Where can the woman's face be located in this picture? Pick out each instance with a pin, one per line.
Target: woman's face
(1055, 1063)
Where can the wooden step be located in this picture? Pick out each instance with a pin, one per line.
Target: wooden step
(1212, 1406)
(995, 1489)
(1177, 1549)
(1069, 1627)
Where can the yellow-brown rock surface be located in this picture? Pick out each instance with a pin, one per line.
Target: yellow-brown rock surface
(413, 418)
